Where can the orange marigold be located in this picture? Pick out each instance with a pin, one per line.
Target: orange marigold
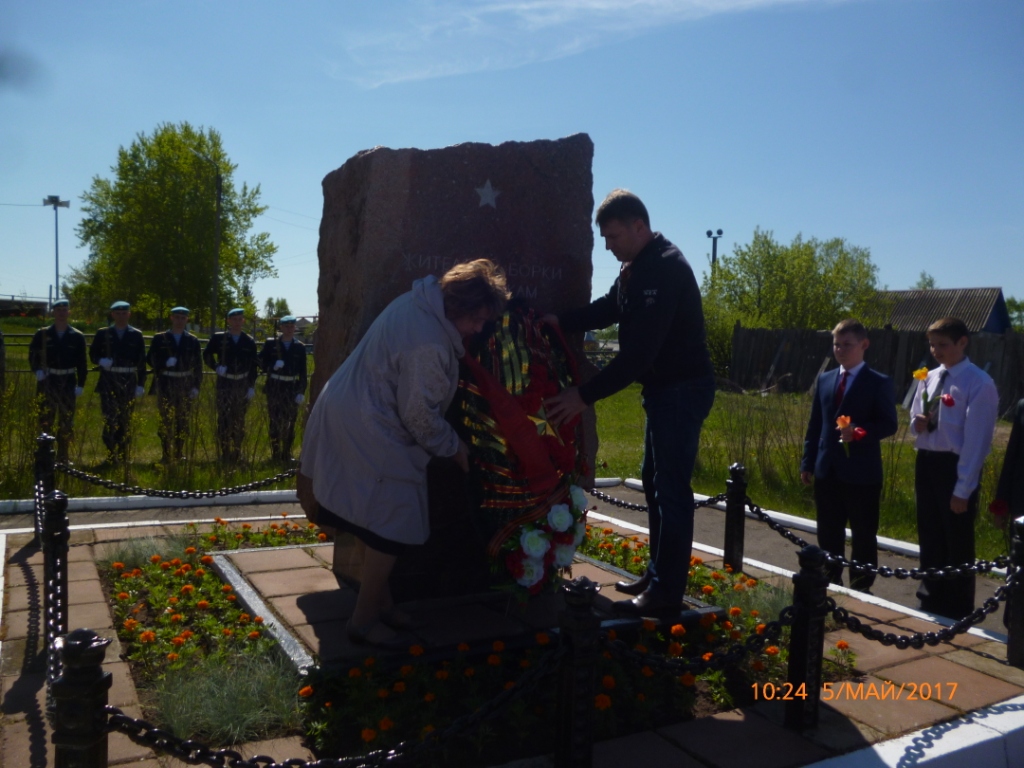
(254, 635)
(543, 638)
(497, 646)
(227, 631)
(227, 588)
(117, 566)
(735, 611)
(708, 656)
(355, 672)
(130, 624)
(172, 656)
(602, 701)
(678, 630)
(494, 660)
(122, 595)
(148, 636)
(760, 628)
(306, 691)
(206, 560)
(428, 696)
(649, 625)
(178, 641)
(386, 724)
(190, 550)
(608, 681)
(398, 687)
(176, 618)
(707, 589)
(772, 650)
(441, 674)
(202, 605)
(321, 536)
(462, 647)
(257, 619)
(469, 672)
(155, 558)
(646, 671)
(368, 734)
(842, 645)
(675, 649)
(416, 650)
(687, 679)
(383, 693)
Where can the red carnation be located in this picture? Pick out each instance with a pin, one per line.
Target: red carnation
(859, 433)
(947, 400)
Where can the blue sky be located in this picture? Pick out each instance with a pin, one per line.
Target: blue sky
(896, 124)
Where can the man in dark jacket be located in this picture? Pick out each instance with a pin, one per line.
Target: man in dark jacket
(120, 352)
(853, 410)
(662, 345)
(57, 355)
(233, 355)
(176, 358)
(283, 360)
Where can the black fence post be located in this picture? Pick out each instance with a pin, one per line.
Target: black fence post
(807, 639)
(1015, 600)
(46, 476)
(735, 516)
(80, 724)
(574, 725)
(54, 543)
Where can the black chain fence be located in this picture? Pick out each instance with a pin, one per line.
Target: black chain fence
(137, 490)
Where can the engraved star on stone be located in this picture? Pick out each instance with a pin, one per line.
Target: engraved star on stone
(488, 195)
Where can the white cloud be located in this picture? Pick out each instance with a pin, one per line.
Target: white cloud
(422, 39)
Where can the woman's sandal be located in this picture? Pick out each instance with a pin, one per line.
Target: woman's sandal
(364, 636)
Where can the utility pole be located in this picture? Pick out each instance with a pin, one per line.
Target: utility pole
(714, 246)
(56, 202)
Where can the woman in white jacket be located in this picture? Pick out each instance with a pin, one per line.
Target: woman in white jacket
(379, 420)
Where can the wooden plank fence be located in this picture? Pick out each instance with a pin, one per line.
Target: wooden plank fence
(791, 359)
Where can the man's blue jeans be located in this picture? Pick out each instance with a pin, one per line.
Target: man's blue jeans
(674, 418)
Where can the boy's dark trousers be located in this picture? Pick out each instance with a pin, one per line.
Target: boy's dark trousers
(946, 538)
(838, 502)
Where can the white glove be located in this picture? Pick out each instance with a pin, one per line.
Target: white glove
(171, 362)
(279, 365)
(300, 399)
(140, 391)
(78, 391)
(106, 362)
(222, 370)
(40, 375)
(250, 394)
(193, 393)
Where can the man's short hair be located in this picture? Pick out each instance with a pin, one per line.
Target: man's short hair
(473, 285)
(849, 325)
(622, 205)
(953, 328)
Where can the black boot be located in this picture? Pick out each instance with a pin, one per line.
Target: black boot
(634, 587)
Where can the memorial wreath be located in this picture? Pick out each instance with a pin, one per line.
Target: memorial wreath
(523, 465)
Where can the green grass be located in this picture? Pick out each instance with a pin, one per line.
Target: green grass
(766, 434)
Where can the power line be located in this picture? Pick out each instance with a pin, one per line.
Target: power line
(22, 205)
(293, 213)
(298, 226)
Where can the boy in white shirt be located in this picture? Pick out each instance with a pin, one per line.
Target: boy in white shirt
(954, 415)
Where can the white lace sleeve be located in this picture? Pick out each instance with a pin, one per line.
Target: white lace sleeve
(423, 387)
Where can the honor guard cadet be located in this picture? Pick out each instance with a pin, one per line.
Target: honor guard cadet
(57, 355)
(233, 355)
(176, 358)
(283, 360)
(120, 352)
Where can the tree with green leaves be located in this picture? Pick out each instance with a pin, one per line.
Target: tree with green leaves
(151, 229)
(766, 284)
(925, 282)
(1016, 309)
(274, 309)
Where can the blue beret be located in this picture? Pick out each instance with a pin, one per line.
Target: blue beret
(120, 305)
(61, 303)
(236, 311)
(181, 311)
(287, 319)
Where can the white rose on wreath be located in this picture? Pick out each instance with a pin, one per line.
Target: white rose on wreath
(560, 518)
(564, 554)
(579, 533)
(533, 572)
(534, 542)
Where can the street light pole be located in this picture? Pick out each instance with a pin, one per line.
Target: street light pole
(56, 202)
(714, 246)
(216, 243)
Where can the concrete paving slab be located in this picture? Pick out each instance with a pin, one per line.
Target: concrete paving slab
(259, 560)
(913, 625)
(835, 732)
(86, 592)
(23, 696)
(12, 657)
(21, 574)
(104, 535)
(989, 659)
(81, 553)
(94, 616)
(333, 605)
(300, 582)
(741, 738)
(121, 749)
(82, 570)
(26, 743)
(16, 624)
(648, 748)
(973, 689)
(888, 716)
(866, 611)
(21, 598)
(327, 640)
